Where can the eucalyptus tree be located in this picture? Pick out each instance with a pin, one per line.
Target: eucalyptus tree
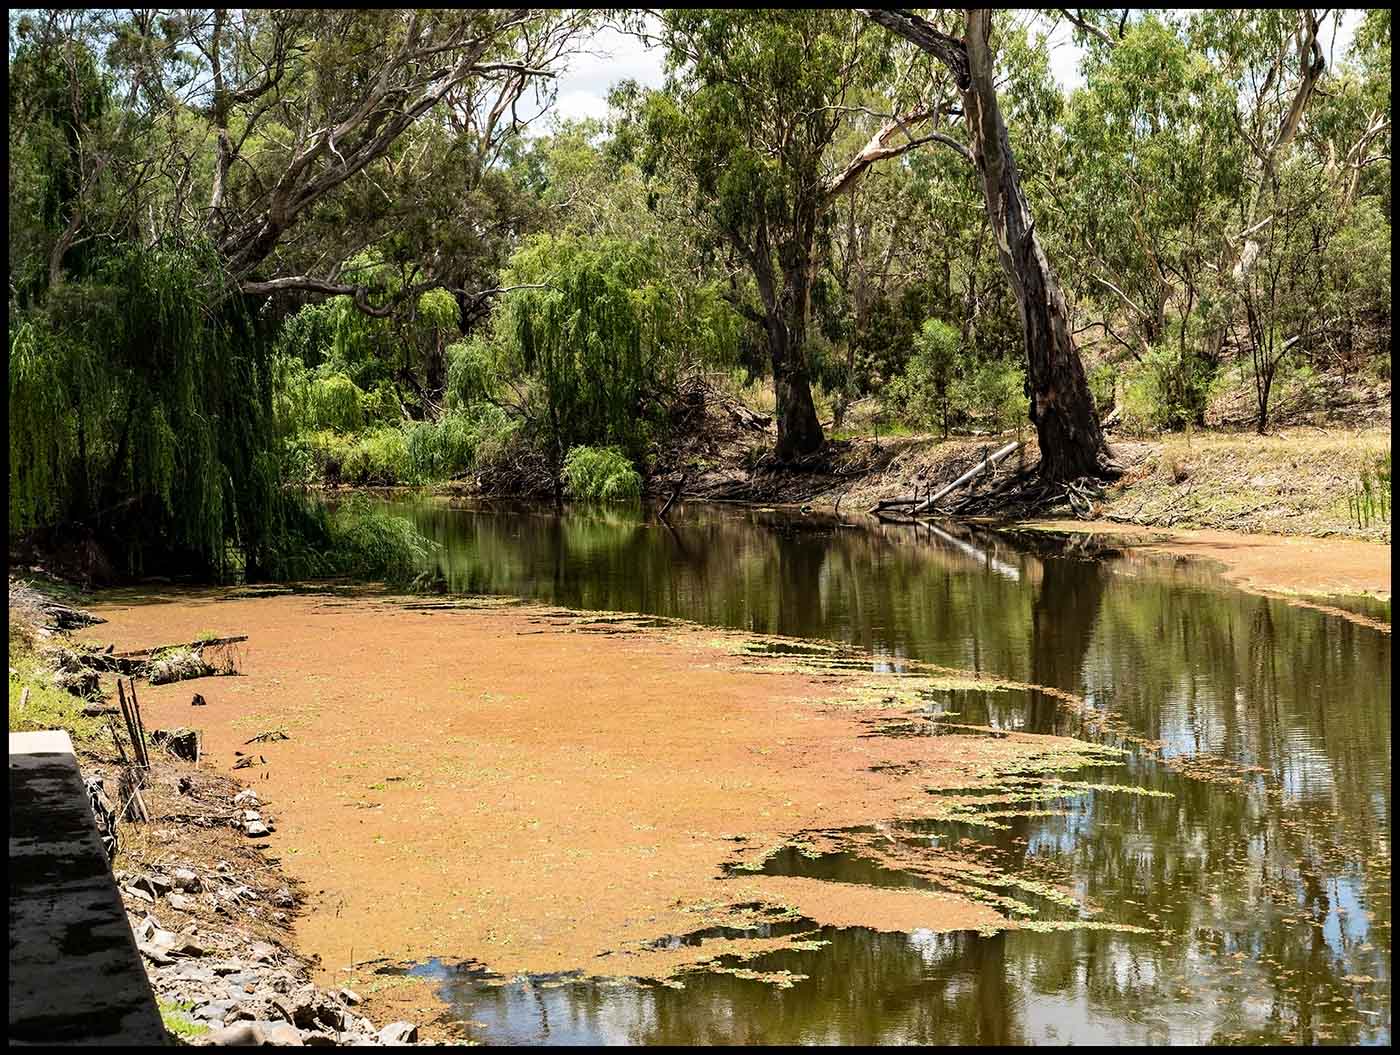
(753, 103)
(1061, 408)
(1155, 128)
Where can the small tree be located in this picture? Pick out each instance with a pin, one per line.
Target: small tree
(1280, 290)
(930, 371)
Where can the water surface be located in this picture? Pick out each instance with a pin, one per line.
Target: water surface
(1263, 878)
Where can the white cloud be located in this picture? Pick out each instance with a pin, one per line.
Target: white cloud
(609, 57)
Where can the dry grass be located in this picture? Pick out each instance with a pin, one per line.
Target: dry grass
(1293, 482)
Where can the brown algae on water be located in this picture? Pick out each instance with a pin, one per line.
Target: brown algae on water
(560, 801)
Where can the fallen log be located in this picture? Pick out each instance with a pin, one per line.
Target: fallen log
(205, 643)
(968, 476)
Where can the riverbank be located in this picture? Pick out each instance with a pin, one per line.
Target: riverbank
(1295, 481)
(520, 786)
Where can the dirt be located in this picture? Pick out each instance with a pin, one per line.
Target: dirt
(499, 784)
(1276, 564)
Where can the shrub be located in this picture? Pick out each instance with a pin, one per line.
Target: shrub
(922, 391)
(336, 403)
(472, 372)
(601, 473)
(993, 391)
(381, 405)
(379, 457)
(365, 541)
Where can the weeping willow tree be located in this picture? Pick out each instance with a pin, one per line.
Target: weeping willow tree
(597, 337)
(141, 419)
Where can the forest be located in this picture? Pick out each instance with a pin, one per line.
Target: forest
(259, 251)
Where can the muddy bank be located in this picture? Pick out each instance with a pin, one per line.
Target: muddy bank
(1292, 567)
(543, 791)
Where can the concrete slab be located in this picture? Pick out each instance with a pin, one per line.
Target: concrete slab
(75, 974)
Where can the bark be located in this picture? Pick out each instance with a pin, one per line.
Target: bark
(1061, 408)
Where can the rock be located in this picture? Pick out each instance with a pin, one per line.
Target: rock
(256, 829)
(156, 955)
(262, 952)
(250, 815)
(214, 1011)
(349, 997)
(398, 1033)
(283, 898)
(146, 929)
(247, 797)
(181, 903)
(186, 785)
(255, 1034)
(187, 880)
(137, 889)
(198, 700)
(313, 1039)
(226, 968)
(223, 866)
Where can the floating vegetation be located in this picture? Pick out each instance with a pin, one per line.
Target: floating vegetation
(1214, 769)
(781, 979)
(1045, 926)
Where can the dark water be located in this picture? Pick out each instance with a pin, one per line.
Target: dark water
(1264, 878)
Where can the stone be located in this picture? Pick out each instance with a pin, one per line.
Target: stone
(398, 1033)
(247, 797)
(198, 700)
(187, 880)
(256, 829)
(314, 1039)
(181, 903)
(262, 952)
(215, 1010)
(349, 997)
(255, 1034)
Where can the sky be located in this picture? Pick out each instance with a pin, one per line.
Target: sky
(612, 57)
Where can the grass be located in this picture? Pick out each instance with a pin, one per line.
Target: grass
(37, 701)
(176, 1017)
(1296, 482)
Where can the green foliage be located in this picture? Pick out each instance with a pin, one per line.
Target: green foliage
(377, 457)
(367, 542)
(142, 412)
(601, 474)
(473, 372)
(336, 403)
(922, 392)
(994, 392)
(380, 405)
(601, 344)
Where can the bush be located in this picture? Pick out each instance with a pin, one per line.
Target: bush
(994, 391)
(921, 393)
(602, 474)
(381, 405)
(379, 457)
(365, 541)
(472, 372)
(336, 403)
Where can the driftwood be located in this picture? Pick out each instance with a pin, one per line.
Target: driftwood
(268, 737)
(928, 503)
(191, 645)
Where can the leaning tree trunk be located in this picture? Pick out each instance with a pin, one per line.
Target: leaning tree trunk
(1061, 408)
